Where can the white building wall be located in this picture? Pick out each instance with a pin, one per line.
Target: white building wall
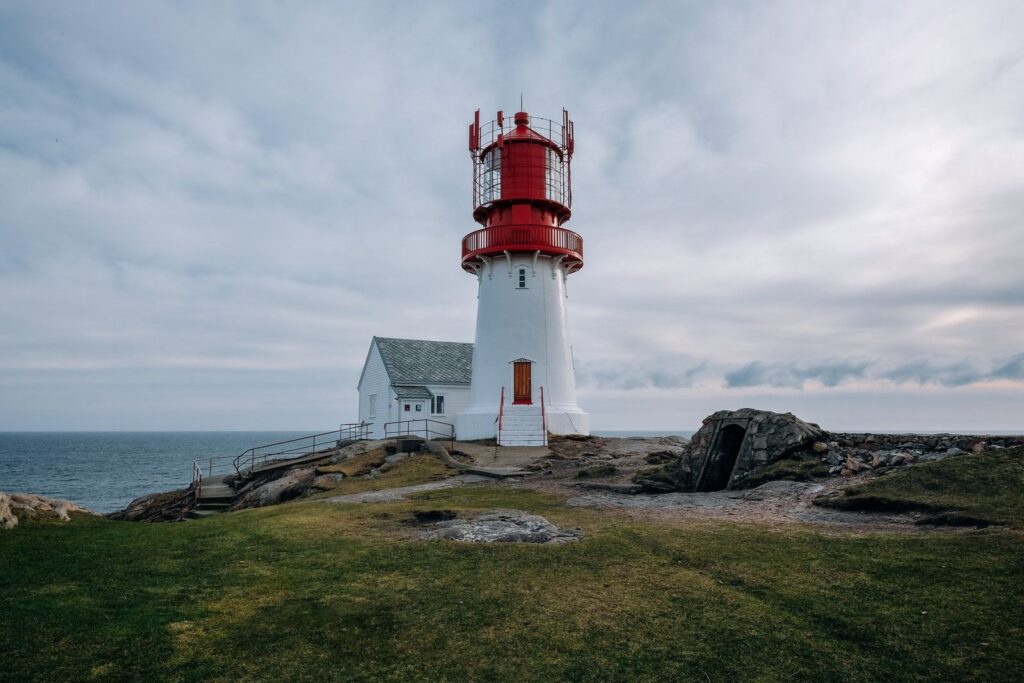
(456, 400)
(375, 381)
(531, 323)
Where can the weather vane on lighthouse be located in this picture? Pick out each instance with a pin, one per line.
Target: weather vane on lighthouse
(523, 384)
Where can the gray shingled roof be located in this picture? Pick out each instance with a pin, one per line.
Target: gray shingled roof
(412, 392)
(416, 361)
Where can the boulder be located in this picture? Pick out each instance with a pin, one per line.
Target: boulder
(291, 485)
(7, 518)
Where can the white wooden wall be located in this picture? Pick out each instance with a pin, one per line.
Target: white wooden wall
(375, 381)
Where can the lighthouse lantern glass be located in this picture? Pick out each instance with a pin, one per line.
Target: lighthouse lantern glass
(554, 177)
(491, 181)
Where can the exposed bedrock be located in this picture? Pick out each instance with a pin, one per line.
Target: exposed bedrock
(736, 449)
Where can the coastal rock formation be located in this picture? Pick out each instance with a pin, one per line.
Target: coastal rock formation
(291, 485)
(17, 507)
(166, 506)
(501, 526)
(744, 448)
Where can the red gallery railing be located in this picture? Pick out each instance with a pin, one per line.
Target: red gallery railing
(545, 239)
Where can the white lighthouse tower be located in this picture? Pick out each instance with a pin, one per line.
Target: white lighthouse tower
(523, 384)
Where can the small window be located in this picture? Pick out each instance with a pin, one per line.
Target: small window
(419, 407)
(408, 407)
(437, 405)
(373, 405)
(522, 278)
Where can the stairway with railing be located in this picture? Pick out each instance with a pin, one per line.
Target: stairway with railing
(211, 489)
(522, 425)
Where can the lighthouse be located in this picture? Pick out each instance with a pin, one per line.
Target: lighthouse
(523, 383)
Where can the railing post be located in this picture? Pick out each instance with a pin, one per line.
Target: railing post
(501, 412)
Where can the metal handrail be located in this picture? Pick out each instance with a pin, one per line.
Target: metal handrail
(197, 481)
(406, 428)
(490, 137)
(300, 446)
(543, 416)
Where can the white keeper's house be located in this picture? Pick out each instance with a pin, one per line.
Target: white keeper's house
(412, 379)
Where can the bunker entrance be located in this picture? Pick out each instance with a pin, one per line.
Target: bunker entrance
(721, 460)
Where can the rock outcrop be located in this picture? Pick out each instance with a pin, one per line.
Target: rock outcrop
(19, 507)
(501, 526)
(291, 485)
(745, 448)
(165, 506)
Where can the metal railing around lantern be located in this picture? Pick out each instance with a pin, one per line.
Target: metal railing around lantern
(486, 140)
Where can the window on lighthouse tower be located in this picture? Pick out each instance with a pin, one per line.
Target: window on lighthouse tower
(522, 279)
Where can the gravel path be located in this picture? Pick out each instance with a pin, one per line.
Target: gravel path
(385, 495)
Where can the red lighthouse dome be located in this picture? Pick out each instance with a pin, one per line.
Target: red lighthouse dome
(522, 191)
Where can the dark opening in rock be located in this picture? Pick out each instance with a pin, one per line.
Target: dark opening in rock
(722, 458)
(431, 516)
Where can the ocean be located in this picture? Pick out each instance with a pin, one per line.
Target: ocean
(104, 471)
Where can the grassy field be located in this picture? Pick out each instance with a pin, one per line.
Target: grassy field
(314, 591)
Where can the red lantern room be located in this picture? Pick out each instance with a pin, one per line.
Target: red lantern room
(522, 189)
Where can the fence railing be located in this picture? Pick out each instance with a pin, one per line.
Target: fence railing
(205, 468)
(546, 239)
(301, 446)
(428, 429)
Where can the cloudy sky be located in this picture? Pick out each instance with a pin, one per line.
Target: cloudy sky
(207, 209)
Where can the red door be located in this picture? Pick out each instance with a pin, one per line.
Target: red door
(522, 386)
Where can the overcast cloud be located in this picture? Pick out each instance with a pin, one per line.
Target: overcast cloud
(207, 209)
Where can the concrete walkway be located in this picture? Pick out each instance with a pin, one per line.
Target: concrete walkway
(385, 495)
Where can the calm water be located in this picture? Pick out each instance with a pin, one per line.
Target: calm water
(104, 471)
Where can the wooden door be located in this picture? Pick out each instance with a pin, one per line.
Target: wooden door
(522, 385)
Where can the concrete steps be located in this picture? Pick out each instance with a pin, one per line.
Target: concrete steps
(213, 498)
(522, 426)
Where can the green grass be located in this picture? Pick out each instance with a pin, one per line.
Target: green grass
(985, 488)
(417, 469)
(314, 591)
